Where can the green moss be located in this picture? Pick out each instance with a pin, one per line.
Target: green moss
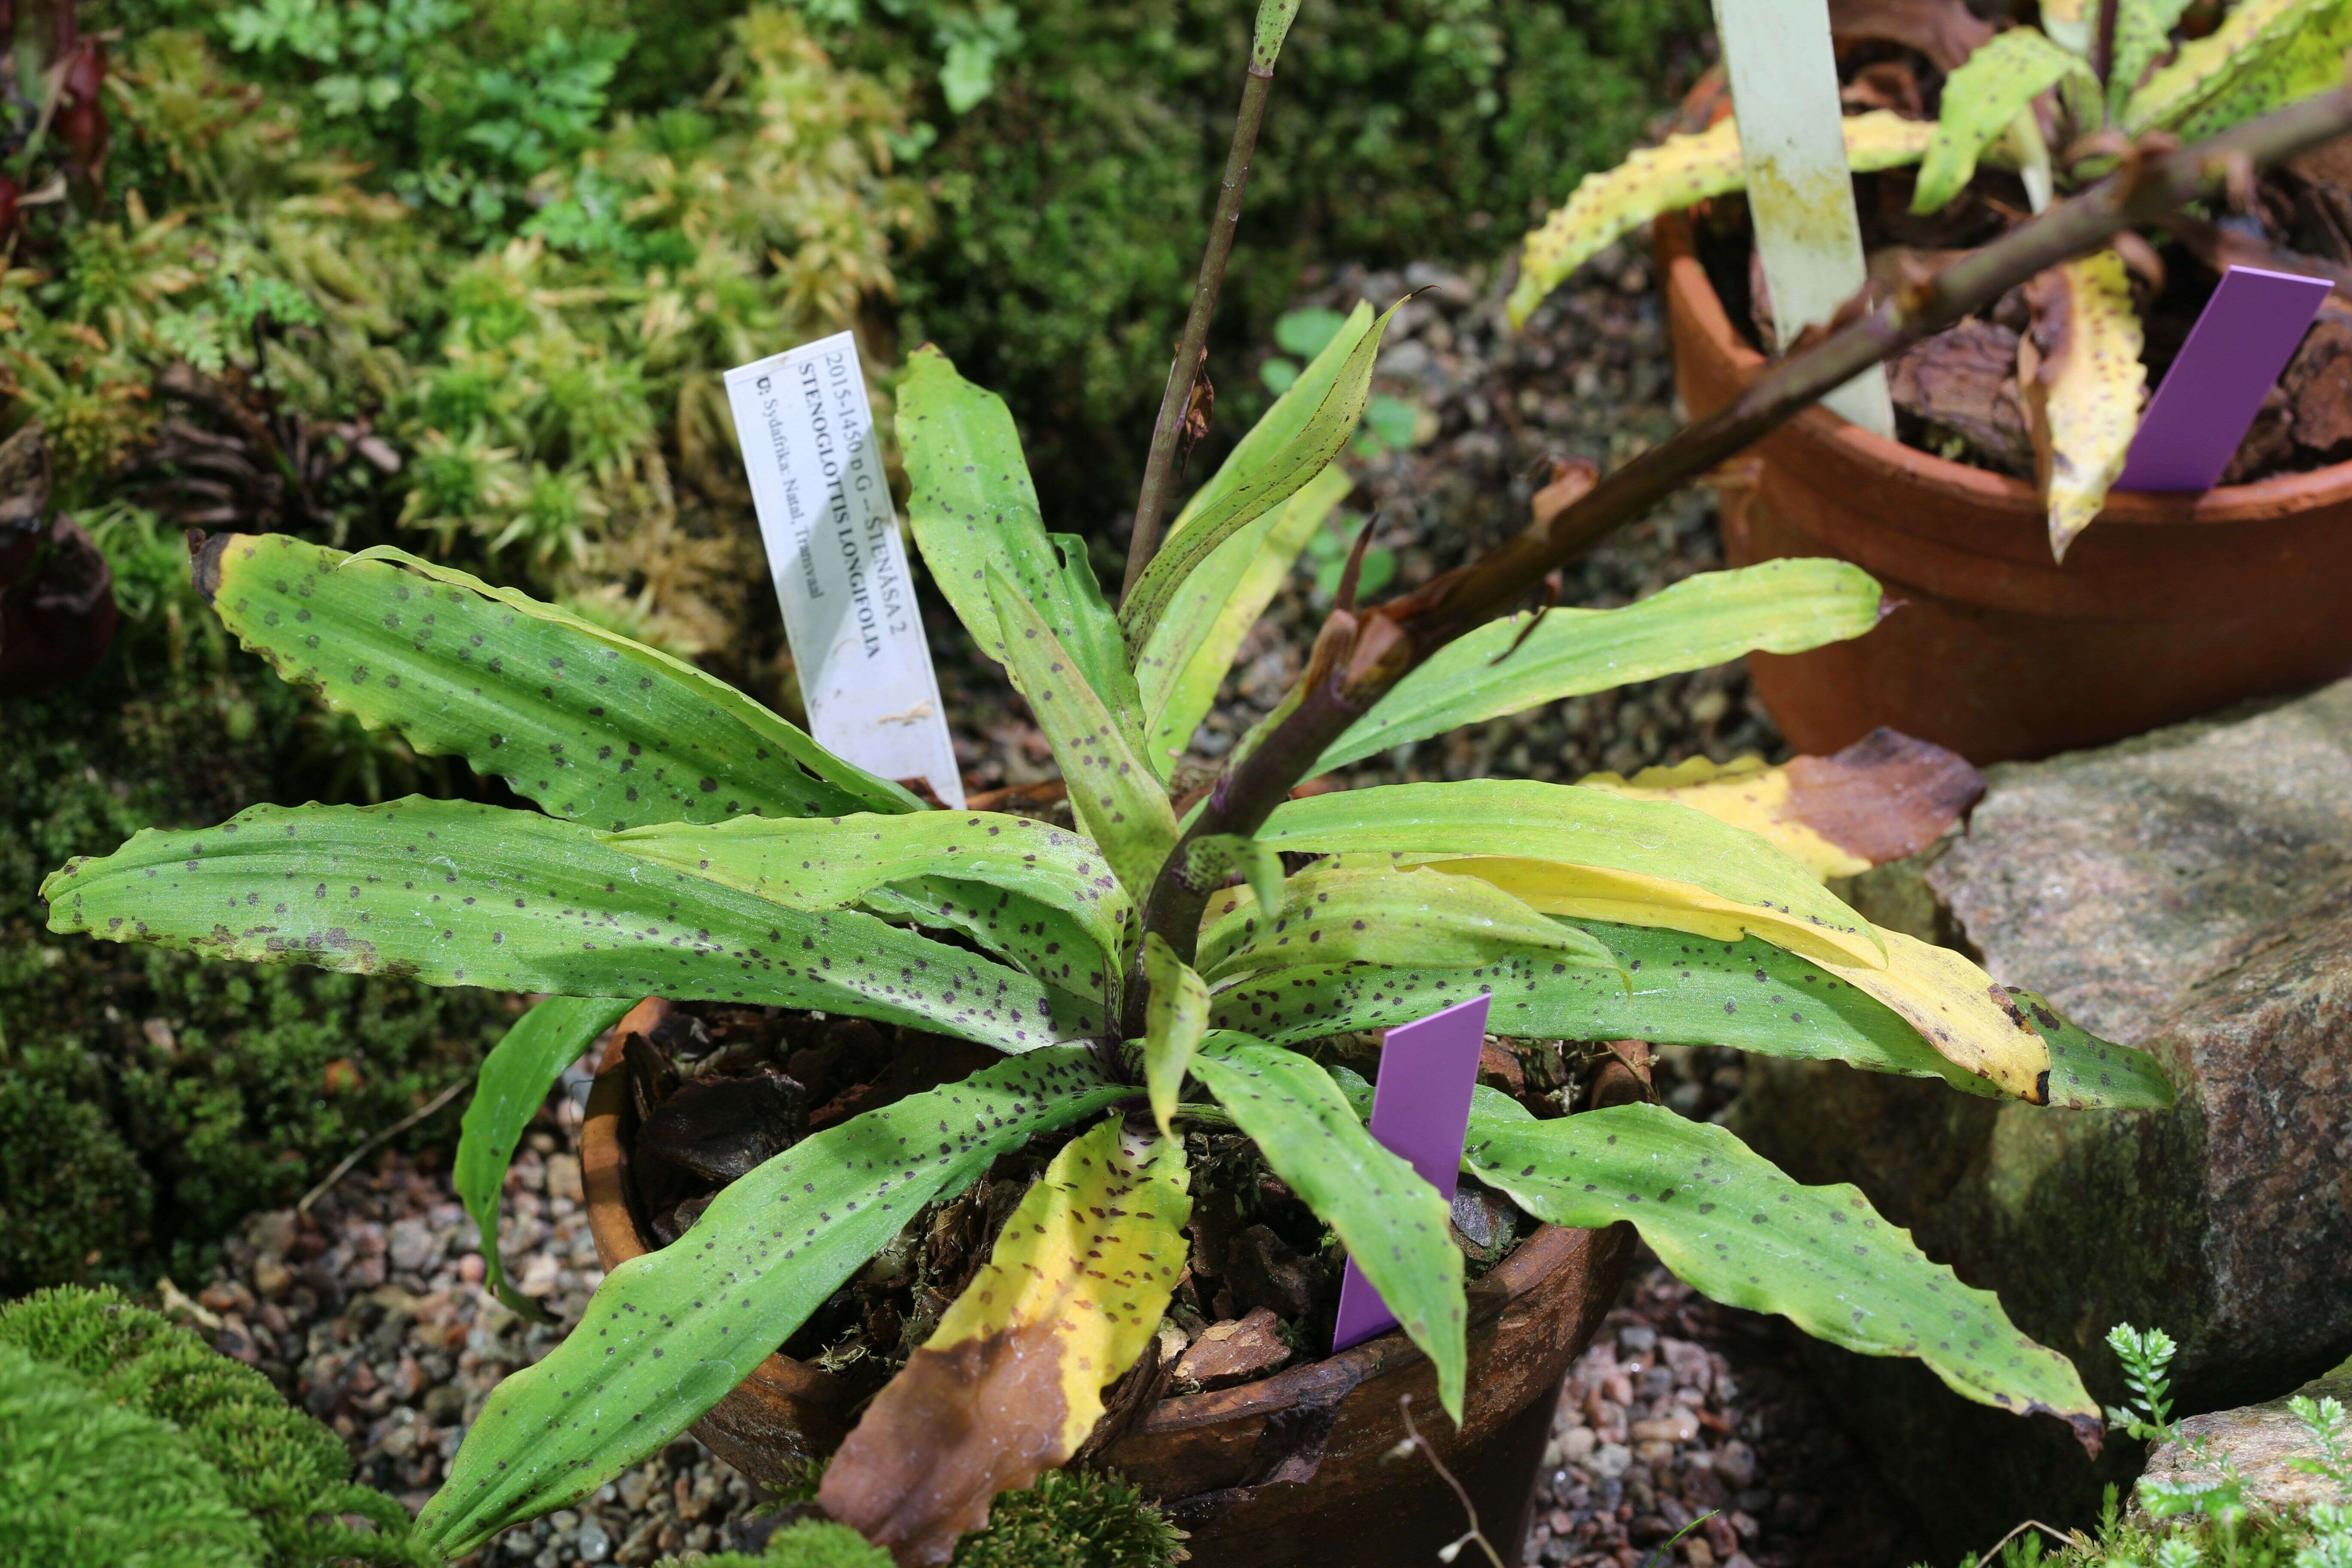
(1072, 1519)
(810, 1543)
(91, 1482)
(280, 1475)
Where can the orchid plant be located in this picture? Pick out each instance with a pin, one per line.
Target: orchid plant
(691, 844)
(2060, 104)
(1179, 955)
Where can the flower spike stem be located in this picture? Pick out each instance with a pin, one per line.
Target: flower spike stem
(1384, 643)
(1273, 19)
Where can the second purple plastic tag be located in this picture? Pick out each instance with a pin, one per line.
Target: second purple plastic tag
(1421, 1110)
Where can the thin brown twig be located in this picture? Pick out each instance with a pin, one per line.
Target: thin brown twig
(394, 1130)
(1414, 1439)
(1159, 466)
(1992, 1552)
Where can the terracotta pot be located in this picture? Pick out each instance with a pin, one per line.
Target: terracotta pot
(2167, 607)
(1286, 1472)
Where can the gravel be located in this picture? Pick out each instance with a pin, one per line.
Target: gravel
(1685, 1413)
(368, 1311)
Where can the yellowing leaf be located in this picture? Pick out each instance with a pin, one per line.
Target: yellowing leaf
(2081, 372)
(1587, 853)
(1601, 893)
(1958, 1009)
(1011, 1383)
(1684, 169)
(1983, 98)
(1118, 801)
(1175, 1017)
(1886, 796)
(1955, 1007)
(2265, 54)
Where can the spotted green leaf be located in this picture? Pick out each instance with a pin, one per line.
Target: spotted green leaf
(1274, 473)
(1392, 1221)
(2143, 37)
(972, 509)
(1175, 1017)
(1663, 863)
(669, 1333)
(1984, 96)
(1379, 916)
(586, 722)
(2082, 376)
(1607, 206)
(452, 893)
(824, 863)
(1676, 989)
(513, 1083)
(1118, 799)
(1213, 857)
(1779, 606)
(2265, 54)
(2087, 1073)
(1730, 1224)
(1192, 647)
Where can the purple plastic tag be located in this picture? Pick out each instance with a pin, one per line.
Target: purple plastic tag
(1421, 1110)
(2211, 394)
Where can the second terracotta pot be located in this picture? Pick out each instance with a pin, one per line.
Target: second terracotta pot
(2167, 607)
(1286, 1472)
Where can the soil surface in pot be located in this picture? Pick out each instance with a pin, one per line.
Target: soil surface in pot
(1956, 394)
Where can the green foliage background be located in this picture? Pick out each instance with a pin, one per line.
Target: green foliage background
(1071, 203)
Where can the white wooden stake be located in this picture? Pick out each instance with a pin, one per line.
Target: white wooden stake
(1784, 92)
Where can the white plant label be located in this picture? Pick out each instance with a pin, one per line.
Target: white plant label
(839, 566)
(1784, 95)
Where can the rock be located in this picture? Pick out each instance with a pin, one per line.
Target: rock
(2263, 1441)
(1676, 1425)
(1612, 1460)
(1234, 1350)
(2189, 892)
(563, 1177)
(413, 1245)
(1736, 1463)
(1483, 1224)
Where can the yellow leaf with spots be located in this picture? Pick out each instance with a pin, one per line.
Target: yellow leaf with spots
(1960, 1010)
(1011, 1383)
(2265, 53)
(1585, 853)
(1882, 798)
(1684, 169)
(2081, 371)
(1604, 893)
(1117, 796)
(1956, 1007)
